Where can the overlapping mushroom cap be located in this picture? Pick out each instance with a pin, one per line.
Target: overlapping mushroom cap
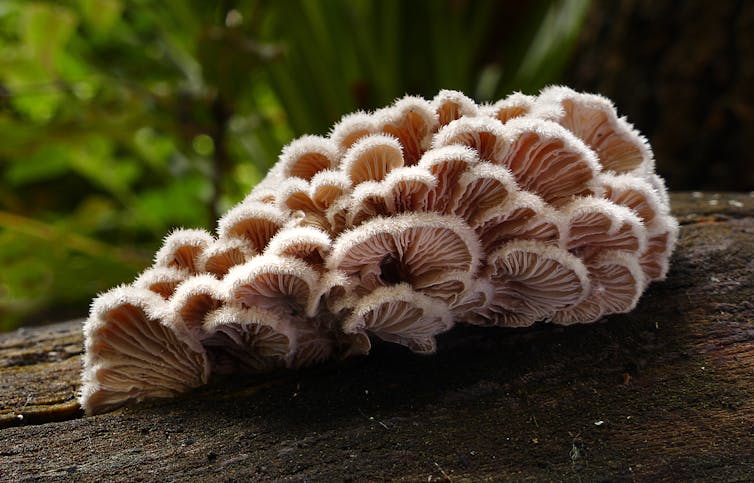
(397, 225)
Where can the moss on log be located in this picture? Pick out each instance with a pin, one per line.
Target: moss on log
(666, 391)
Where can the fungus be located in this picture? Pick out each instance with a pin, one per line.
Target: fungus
(397, 225)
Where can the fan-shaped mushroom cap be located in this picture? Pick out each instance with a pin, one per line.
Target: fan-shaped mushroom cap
(272, 283)
(132, 356)
(655, 260)
(307, 156)
(548, 160)
(410, 248)
(636, 194)
(450, 287)
(523, 216)
(481, 187)
(533, 280)
(305, 243)
(593, 119)
(327, 187)
(351, 128)
(192, 301)
(182, 248)
(223, 254)
(413, 121)
(446, 164)
(484, 134)
(371, 158)
(249, 340)
(255, 222)
(161, 280)
(400, 314)
(592, 225)
(451, 105)
(515, 105)
(617, 282)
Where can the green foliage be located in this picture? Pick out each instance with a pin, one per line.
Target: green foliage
(124, 118)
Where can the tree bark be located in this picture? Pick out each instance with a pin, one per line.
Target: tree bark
(665, 392)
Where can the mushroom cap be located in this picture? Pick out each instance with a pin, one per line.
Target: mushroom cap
(371, 158)
(274, 283)
(481, 187)
(655, 260)
(305, 243)
(402, 315)
(594, 224)
(254, 222)
(182, 248)
(415, 248)
(223, 254)
(248, 340)
(483, 134)
(191, 303)
(351, 128)
(307, 156)
(532, 280)
(451, 105)
(617, 282)
(161, 280)
(593, 119)
(547, 159)
(413, 121)
(513, 106)
(131, 355)
(446, 164)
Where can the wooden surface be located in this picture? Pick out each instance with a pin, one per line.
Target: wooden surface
(664, 392)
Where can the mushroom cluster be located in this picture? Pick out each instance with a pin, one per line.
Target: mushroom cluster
(397, 225)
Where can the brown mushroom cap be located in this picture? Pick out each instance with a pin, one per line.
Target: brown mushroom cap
(617, 282)
(634, 193)
(415, 248)
(248, 340)
(483, 134)
(533, 280)
(182, 248)
(400, 314)
(132, 356)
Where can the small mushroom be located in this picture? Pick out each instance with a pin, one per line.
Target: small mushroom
(254, 222)
(513, 106)
(307, 156)
(401, 315)
(161, 280)
(191, 303)
(182, 248)
(452, 105)
(532, 281)
(371, 158)
(248, 340)
(223, 254)
(413, 121)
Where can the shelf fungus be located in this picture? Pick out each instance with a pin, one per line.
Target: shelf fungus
(396, 226)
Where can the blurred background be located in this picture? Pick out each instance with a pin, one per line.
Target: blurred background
(121, 119)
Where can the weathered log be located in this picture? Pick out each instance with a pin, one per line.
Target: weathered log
(666, 391)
